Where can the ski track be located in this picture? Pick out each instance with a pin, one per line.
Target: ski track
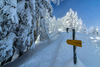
(56, 52)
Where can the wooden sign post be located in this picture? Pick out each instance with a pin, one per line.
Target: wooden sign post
(74, 43)
(74, 48)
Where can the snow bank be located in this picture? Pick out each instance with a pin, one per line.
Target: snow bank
(71, 64)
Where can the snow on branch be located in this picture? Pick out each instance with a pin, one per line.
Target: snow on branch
(56, 1)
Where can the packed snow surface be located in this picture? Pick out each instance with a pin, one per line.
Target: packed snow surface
(57, 53)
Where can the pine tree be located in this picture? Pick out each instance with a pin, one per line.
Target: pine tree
(70, 20)
(91, 30)
(94, 31)
(84, 30)
(21, 21)
(8, 25)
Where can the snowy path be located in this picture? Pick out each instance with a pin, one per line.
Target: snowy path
(59, 54)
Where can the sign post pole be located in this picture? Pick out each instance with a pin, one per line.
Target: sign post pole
(74, 49)
(74, 43)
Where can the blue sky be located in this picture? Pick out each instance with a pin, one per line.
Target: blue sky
(88, 10)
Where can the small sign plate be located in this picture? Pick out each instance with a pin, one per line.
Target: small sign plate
(75, 42)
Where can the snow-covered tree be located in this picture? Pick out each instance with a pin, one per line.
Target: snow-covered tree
(84, 29)
(44, 9)
(8, 25)
(21, 21)
(73, 21)
(53, 25)
(79, 25)
(25, 29)
(94, 31)
(70, 20)
(60, 25)
(91, 30)
(42, 6)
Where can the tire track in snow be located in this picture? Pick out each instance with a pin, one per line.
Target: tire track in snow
(57, 51)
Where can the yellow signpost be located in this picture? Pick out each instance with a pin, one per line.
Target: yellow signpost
(75, 42)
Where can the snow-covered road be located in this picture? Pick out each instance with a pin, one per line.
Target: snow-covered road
(58, 53)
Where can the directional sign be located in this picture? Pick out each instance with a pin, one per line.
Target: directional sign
(75, 42)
